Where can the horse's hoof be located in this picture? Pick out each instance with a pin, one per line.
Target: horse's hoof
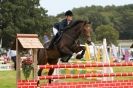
(78, 57)
(38, 83)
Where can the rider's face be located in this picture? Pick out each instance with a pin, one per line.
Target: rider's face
(69, 18)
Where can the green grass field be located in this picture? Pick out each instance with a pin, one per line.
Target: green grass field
(8, 78)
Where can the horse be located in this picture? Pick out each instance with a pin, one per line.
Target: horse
(66, 46)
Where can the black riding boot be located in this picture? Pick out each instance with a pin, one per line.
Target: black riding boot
(54, 40)
(51, 45)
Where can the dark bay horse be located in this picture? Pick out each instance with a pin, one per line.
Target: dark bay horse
(66, 46)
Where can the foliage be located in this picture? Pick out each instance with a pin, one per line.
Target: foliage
(22, 16)
(97, 19)
(108, 32)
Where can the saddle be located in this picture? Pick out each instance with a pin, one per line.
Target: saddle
(55, 40)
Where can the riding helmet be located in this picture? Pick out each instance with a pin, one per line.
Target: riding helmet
(68, 13)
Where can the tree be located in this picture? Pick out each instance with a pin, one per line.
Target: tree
(98, 19)
(108, 32)
(123, 21)
(22, 16)
(121, 17)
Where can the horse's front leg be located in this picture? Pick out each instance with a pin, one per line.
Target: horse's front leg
(67, 52)
(81, 48)
(68, 58)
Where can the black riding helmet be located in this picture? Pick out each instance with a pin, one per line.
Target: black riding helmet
(68, 13)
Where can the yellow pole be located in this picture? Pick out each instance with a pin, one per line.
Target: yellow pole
(98, 55)
(87, 52)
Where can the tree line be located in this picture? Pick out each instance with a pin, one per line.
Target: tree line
(27, 16)
(111, 22)
(22, 16)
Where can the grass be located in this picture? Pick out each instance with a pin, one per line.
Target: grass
(8, 78)
(123, 69)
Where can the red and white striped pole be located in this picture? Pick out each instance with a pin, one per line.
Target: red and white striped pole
(85, 65)
(85, 75)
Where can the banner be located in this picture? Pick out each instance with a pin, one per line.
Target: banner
(4, 67)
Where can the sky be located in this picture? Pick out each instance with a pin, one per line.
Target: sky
(55, 7)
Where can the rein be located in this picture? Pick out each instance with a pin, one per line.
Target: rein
(68, 36)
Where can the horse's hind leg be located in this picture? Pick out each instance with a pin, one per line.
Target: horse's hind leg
(39, 74)
(51, 70)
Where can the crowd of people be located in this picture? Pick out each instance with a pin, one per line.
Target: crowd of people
(8, 57)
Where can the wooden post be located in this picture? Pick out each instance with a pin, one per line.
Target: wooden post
(34, 51)
(18, 61)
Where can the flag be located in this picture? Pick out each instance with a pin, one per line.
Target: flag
(87, 52)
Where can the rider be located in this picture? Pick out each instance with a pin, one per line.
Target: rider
(59, 27)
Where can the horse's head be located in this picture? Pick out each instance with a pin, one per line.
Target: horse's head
(80, 27)
(87, 30)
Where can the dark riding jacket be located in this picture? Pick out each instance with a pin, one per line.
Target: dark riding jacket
(61, 25)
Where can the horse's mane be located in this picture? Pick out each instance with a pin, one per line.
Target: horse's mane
(76, 22)
(79, 21)
(73, 24)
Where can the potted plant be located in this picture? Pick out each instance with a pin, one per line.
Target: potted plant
(27, 67)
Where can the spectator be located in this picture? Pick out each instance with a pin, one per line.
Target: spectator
(6, 59)
(12, 55)
(46, 40)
